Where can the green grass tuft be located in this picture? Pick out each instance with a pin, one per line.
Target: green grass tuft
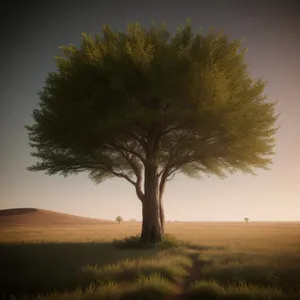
(153, 287)
(134, 242)
(212, 290)
(169, 266)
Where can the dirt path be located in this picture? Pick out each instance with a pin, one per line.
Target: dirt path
(193, 274)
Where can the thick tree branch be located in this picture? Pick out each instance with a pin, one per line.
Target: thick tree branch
(131, 163)
(138, 172)
(137, 184)
(123, 175)
(130, 160)
(166, 177)
(173, 173)
(102, 165)
(163, 180)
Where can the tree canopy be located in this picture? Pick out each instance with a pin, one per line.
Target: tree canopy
(122, 103)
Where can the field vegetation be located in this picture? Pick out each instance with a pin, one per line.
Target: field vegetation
(105, 260)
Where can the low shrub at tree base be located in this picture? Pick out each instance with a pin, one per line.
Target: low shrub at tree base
(135, 242)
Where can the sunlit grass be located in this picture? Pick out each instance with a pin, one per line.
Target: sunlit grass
(170, 267)
(150, 287)
(262, 268)
(109, 291)
(238, 291)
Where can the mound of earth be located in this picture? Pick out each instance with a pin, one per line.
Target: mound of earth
(41, 217)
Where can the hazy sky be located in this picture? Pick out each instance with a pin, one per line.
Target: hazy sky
(32, 31)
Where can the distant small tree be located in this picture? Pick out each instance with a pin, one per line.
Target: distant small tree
(119, 219)
(132, 220)
(246, 220)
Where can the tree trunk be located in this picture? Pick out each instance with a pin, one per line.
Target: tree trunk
(162, 214)
(161, 192)
(153, 218)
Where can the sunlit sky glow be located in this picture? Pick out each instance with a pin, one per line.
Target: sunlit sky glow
(34, 30)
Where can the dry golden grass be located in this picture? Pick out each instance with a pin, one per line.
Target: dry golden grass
(222, 261)
(256, 234)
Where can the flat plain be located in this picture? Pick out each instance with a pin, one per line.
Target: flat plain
(75, 258)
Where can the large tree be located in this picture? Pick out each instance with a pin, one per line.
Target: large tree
(145, 105)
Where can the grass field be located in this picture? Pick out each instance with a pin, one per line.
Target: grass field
(220, 261)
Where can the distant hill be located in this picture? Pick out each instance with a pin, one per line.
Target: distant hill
(41, 217)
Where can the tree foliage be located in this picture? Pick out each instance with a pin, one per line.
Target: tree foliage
(122, 102)
(119, 219)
